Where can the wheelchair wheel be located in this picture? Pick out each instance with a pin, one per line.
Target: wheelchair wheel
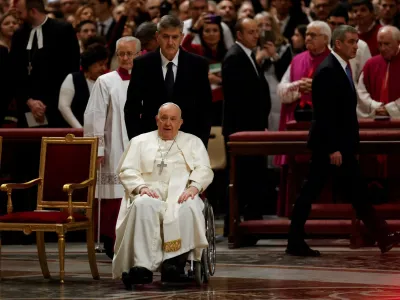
(211, 250)
(198, 273)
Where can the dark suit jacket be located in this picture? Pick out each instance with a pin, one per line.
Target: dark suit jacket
(247, 101)
(59, 57)
(5, 97)
(334, 125)
(147, 92)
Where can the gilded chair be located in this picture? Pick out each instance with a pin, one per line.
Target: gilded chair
(66, 184)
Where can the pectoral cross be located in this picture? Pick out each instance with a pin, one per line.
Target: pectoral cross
(161, 166)
(29, 68)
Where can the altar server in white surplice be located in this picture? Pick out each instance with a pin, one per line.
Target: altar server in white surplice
(104, 118)
(161, 219)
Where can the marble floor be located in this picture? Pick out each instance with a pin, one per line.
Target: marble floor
(259, 272)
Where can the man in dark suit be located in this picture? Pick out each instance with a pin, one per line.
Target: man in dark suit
(334, 141)
(169, 74)
(247, 105)
(43, 52)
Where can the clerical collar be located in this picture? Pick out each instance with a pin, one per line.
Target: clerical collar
(39, 34)
(124, 73)
(369, 28)
(165, 61)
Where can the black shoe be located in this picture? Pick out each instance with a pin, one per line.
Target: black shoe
(170, 271)
(140, 275)
(301, 249)
(126, 279)
(390, 241)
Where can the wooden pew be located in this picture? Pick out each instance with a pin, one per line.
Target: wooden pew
(295, 143)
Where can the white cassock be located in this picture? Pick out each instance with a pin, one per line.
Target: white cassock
(104, 118)
(150, 230)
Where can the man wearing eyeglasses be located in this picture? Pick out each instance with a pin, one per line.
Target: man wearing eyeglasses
(104, 118)
(340, 16)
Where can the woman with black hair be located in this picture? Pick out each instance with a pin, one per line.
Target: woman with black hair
(76, 88)
(212, 48)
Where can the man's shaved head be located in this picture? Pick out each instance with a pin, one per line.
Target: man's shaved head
(169, 105)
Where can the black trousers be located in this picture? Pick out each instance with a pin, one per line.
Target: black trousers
(354, 190)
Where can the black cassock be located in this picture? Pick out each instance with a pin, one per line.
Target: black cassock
(39, 73)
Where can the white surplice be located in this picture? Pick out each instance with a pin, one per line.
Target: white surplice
(104, 118)
(150, 230)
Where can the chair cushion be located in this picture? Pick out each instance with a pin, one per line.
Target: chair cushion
(268, 136)
(53, 217)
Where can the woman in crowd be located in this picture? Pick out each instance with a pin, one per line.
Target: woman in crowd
(274, 55)
(213, 48)
(76, 88)
(299, 39)
(83, 13)
(8, 25)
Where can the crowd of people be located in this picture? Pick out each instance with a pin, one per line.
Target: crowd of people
(107, 66)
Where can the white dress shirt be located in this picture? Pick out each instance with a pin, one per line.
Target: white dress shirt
(165, 61)
(248, 53)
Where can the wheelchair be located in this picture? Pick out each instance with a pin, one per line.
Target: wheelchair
(201, 271)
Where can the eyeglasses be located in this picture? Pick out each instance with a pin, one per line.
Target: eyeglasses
(130, 54)
(313, 35)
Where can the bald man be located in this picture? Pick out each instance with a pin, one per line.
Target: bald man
(378, 87)
(160, 219)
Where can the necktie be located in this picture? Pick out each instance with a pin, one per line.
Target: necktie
(169, 80)
(102, 29)
(253, 57)
(349, 75)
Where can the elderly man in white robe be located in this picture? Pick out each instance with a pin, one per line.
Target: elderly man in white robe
(104, 118)
(160, 220)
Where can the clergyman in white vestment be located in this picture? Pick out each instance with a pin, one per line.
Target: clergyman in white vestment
(104, 118)
(160, 219)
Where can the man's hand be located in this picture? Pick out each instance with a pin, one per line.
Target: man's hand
(100, 161)
(381, 111)
(148, 192)
(336, 158)
(261, 54)
(214, 79)
(270, 48)
(37, 108)
(204, 18)
(305, 85)
(190, 192)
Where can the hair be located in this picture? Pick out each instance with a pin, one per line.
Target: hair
(168, 22)
(170, 103)
(367, 3)
(239, 24)
(393, 30)
(83, 23)
(93, 54)
(302, 29)
(191, 2)
(80, 10)
(35, 4)
(340, 11)
(323, 27)
(3, 17)
(280, 39)
(109, 2)
(94, 40)
(130, 39)
(339, 34)
(221, 48)
(146, 32)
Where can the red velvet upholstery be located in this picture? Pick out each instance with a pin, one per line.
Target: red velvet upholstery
(268, 136)
(65, 163)
(40, 217)
(37, 133)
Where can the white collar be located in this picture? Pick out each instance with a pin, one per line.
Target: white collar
(342, 62)
(245, 49)
(165, 61)
(369, 28)
(39, 34)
